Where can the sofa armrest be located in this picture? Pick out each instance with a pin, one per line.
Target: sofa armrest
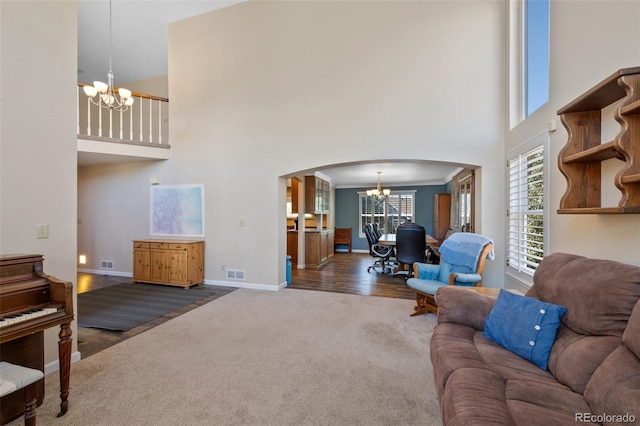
(463, 306)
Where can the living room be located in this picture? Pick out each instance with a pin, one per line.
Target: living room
(261, 90)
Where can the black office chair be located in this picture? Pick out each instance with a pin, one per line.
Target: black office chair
(376, 231)
(410, 246)
(381, 252)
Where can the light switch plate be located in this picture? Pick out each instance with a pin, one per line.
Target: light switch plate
(42, 230)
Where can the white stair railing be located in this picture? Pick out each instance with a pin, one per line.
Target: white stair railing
(147, 118)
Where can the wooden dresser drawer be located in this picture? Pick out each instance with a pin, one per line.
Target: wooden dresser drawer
(155, 245)
(140, 244)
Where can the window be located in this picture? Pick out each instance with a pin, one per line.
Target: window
(526, 207)
(398, 208)
(536, 54)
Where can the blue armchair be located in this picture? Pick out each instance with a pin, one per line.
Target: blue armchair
(463, 256)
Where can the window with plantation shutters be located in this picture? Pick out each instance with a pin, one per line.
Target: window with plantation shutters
(389, 213)
(527, 207)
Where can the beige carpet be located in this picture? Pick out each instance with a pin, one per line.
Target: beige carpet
(293, 357)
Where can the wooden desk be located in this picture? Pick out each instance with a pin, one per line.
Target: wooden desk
(390, 240)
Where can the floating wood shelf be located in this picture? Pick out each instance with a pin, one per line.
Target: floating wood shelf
(580, 159)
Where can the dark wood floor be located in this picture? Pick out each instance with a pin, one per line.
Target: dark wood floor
(345, 273)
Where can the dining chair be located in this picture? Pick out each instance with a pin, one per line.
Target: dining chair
(381, 252)
(410, 246)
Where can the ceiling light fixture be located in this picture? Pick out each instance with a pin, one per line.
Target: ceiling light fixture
(109, 98)
(379, 192)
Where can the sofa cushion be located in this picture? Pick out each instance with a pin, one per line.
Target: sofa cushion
(524, 325)
(599, 294)
(574, 357)
(631, 336)
(452, 348)
(614, 388)
(509, 365)
(543, 404)
(475, 397)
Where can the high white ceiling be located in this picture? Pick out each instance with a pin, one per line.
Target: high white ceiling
(140, 34)
(139, 50)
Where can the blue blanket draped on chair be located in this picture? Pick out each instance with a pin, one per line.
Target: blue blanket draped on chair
(462, 250)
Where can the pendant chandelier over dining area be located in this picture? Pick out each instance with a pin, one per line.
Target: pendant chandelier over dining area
(379, 192)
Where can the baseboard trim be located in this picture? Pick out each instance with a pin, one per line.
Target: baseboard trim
(54, 366)
(106, 272)
(252, 286)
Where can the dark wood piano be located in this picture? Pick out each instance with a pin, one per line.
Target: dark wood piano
(31, 302)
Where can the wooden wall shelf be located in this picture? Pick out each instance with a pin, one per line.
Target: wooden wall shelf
(580, 159)
(597, 153)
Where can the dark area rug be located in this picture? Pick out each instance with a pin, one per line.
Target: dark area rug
(123, 306)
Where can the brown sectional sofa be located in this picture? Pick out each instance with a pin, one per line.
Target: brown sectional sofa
(593, 373)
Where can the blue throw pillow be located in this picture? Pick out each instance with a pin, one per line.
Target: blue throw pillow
(524, 325)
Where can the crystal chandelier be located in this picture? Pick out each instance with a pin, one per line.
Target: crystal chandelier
(379, 192)
(108, 97)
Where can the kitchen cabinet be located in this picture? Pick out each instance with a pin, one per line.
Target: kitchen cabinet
(318, 247)
(316, 195)
(292, 246)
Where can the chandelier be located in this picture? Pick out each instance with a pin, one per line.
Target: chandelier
(379, 192)
(108, 97)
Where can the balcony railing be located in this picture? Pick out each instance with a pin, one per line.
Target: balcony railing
(145, 122)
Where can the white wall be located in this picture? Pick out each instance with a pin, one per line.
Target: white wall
(584, 51)
(261, 90)
(38, 137)
(264, 89)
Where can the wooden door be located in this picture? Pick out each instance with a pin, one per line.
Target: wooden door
(141, 264)
(178, 266)
(159, 265)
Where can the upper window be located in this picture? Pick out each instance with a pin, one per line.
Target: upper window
(389, 214)
(536, 54)
(527, 205)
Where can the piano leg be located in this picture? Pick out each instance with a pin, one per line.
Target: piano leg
(64, 354)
